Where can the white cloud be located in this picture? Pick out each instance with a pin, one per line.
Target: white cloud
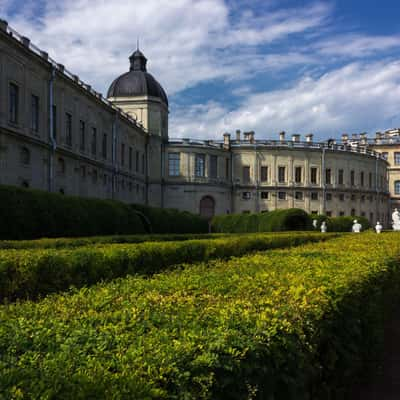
(353, 98)
(186, 41)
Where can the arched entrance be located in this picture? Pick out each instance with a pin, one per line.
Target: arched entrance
(207, 207)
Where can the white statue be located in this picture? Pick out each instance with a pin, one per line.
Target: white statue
(396, 220)
(315, 223)
(378, 227)
(356, 228)
(323, 227)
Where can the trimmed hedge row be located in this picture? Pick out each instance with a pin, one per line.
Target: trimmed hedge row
(36, 272)
(161, 220)
(59, 243)
(30, 214)
(341, 224)
(293, 219)
(288, 324)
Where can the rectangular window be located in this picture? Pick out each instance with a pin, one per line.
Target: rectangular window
(82, 139)
(227, 168)
(352, 178)
(199, 168)
(340, 177)
(298, 195)
(137, 161)
(313, 175)
(314, 195)
(143, 164)
(397, 158)
(13, 103)
(174, 164)
(397, 187)
(297, 174)
(213, 166)
(329, 213)
(104, 146)
(363, 199)
(328, 196)
(246, 195)
(264, 173)
(281, 175)
(385, 155)
(54, 112)
(328, 176)
(35, 113)
(370, 179)
(264, 195)
(130, 158)
(341, 197)
(362, 178)
(94, 141)
(122, 154)
(68, 129)
(282, 195)
(341, 213)
(246, 174)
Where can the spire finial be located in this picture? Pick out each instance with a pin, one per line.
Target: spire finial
(137, 43)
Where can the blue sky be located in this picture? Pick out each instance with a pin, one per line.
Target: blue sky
(326, 67)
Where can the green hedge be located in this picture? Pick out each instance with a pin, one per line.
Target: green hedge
(292, 324)
(345, 224)
(28, 214)
(293, 219)
(60, 243)
(35, 272)
(162, 220)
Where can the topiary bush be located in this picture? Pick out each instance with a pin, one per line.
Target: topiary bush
(293, 219)
(161, 220)
(29, 214)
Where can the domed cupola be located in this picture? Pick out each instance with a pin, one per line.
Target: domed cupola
(137, 82)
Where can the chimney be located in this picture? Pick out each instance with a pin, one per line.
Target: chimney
(238, 135)
(246, 136)
(295, 137)
(378, 135)
(3, 25)
(227, 140)
(309, 138)
(354, 136)
(363, 138)
(251, 137)
(345, 138)
(25, 41)
(282, 136)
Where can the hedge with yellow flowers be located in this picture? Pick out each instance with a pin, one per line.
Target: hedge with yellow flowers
(284, 324)
(29, 273)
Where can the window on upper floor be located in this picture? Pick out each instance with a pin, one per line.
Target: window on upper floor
(328, 196)
(199, 167)
(122, 154)
(35, 113)
(130, 158)
(13, 103)
(264, 173)
(340, 177)
(352, 181)
(281, 174)
(314, 195)
(82, 134)
(246, 195)
(282, 195)
(298, 195)
(68, 129)
(265, 195)
(174, 164)
(362, 178)
(137, 161)
(213, 166)
(397, 158)
(227, 160)
(297, 174)
(246, 174)
(104, 146)
(94, 142)
(54, 119)
(143, 164)
(370, 180)
(328, 176)
(313, 175)
(385, 155)
(341, 196)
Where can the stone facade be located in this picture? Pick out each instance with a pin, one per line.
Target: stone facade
(58, 134)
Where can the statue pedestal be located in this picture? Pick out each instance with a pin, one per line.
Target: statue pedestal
(396, 226)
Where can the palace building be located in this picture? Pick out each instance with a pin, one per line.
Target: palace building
(60, 135)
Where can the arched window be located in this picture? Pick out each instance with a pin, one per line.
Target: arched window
(396, 187)
(25, 156)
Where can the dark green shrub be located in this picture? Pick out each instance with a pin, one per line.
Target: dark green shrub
(292, 219)
(163, 220)
(344, 224)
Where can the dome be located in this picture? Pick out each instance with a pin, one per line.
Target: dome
(137, 82)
